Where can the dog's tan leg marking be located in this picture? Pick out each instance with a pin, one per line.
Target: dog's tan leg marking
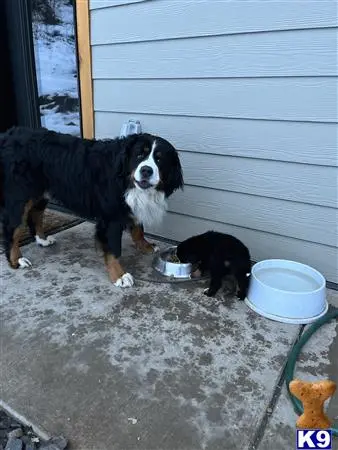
(15, 252)
(139, 240)
(116, 272)
(15, 256)
(114, 268)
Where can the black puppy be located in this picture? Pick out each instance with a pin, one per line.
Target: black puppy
(221, 255)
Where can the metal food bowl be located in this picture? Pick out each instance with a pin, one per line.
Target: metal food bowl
(168, 268)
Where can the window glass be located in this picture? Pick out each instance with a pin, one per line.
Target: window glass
(56, 64)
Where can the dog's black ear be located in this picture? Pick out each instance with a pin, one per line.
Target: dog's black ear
(174, 179)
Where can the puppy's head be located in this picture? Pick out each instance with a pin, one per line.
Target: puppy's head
(188, 251)
(154, 163)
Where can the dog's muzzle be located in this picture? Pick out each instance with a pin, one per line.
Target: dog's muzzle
(146, 172)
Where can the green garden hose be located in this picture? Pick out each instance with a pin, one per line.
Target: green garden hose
(290, 367)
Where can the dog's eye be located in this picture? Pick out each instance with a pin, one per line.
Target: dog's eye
(158, 157)
(143, 153)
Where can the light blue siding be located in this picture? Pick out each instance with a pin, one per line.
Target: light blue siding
(247, 92)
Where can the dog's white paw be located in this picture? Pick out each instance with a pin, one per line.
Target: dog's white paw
(45, 242)
(156, 248)
(24, 262)
(125, 281)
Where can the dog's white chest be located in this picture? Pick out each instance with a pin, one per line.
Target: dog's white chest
(148, 206)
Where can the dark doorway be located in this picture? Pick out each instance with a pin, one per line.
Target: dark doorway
(8, 115)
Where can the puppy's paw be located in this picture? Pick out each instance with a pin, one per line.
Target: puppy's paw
(208, 293)
(50, 240)
(24, 262)
(196, 273)
(125, 281)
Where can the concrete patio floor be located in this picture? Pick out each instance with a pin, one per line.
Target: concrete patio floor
(155, 367)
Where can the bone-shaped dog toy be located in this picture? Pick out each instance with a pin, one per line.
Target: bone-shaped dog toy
(313, 396)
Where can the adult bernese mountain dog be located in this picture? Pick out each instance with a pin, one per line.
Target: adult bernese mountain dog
(120, 183)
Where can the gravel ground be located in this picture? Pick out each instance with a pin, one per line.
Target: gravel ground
(16, 436)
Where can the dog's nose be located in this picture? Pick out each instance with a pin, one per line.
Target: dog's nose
(146, 172)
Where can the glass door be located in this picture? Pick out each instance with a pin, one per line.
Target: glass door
(55, 53)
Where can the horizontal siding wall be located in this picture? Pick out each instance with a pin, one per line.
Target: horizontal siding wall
(102, 4)
(240, 56)
(300, 142)
(296, 99)
(177, 19)
(247, 92)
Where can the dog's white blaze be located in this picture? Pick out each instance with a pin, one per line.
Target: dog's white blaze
(155, 178)
(148, 205)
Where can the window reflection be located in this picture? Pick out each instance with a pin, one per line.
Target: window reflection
(56, 64)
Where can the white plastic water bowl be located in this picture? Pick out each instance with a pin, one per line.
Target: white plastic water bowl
(287, 291)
